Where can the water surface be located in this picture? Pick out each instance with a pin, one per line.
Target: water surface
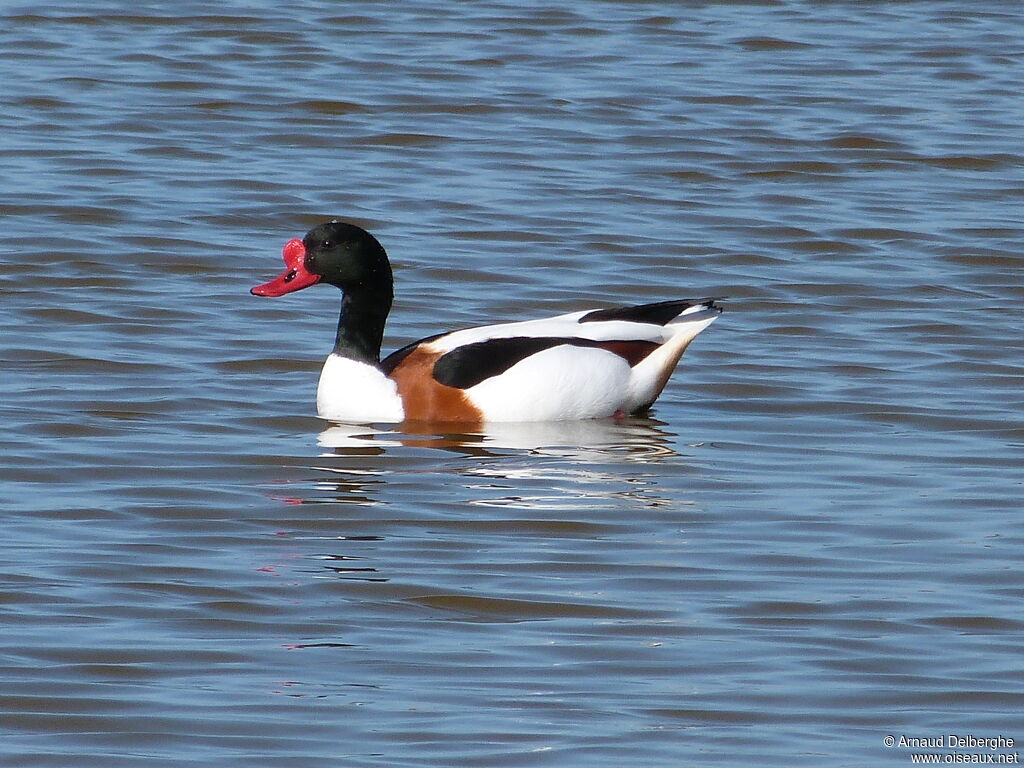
(813, 543)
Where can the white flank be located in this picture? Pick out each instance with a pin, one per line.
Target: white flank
(356, 393)
(559, 383)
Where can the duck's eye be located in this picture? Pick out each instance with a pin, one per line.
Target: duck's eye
(327, 244)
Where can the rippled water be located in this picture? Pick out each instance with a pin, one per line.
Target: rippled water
(815, 541)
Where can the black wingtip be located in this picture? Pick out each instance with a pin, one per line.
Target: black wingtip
(658, 313)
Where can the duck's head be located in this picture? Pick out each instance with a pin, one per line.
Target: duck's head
(337, 253)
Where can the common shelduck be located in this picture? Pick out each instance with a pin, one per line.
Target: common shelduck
(581, 365)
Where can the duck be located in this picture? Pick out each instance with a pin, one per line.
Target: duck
(588, 364)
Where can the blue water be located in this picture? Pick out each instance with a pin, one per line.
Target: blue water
(812, 544)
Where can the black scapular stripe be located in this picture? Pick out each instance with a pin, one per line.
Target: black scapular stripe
(659, 313)
(389, 363)
(471, 364)
(468, 365)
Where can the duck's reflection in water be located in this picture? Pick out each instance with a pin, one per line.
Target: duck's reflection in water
(595, 439)
(389, 492)
(573, 464)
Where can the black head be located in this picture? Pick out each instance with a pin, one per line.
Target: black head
(341, 254)
(350, 258)
(346, 256)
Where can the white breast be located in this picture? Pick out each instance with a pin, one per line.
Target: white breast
(354, 392)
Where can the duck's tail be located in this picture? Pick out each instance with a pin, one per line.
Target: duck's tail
(650, 376)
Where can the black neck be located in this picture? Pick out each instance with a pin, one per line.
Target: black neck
(361, 325)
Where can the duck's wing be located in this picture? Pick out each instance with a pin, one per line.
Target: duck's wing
(643, 322)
